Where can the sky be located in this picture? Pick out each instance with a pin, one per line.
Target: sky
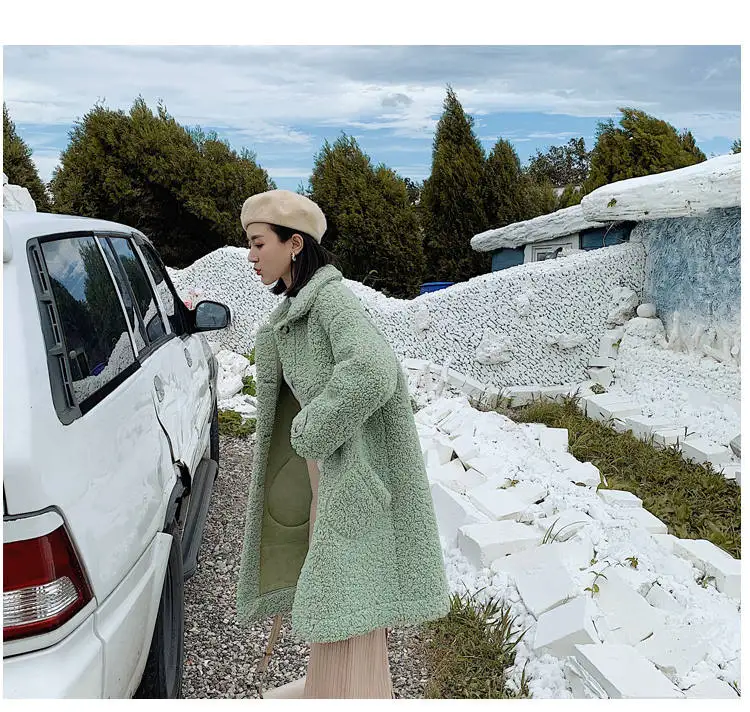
(282, 102)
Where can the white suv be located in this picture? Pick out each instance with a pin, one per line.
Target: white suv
(110, 451)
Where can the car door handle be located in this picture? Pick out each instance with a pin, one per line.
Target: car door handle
(188, 357)
(159, 388)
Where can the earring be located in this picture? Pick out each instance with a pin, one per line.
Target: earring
(294, 257)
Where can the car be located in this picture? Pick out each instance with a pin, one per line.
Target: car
(110, 452)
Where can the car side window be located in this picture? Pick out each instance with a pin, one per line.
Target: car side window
(144, 298)
(164, 289)
(92, 329)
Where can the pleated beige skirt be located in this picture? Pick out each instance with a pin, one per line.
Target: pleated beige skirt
(355, 668)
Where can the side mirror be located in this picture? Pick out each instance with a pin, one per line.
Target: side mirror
(211, 315)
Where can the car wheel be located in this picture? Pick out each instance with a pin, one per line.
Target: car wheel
(162, 677)
(214, 438)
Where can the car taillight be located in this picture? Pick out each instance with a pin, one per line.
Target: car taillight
(43, 584)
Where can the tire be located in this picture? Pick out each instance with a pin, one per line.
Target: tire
(214, 437)
(162, 676)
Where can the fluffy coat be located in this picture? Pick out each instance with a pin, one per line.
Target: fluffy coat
(375, 558)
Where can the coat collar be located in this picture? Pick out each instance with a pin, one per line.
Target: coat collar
(300, 305)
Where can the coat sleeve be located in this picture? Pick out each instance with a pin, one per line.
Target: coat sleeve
(364, 378)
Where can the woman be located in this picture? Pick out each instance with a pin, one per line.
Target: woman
(340, 526)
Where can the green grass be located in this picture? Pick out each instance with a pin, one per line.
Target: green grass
(234, 425)
(250, 357)
(469, 651)
(694, 501)
(248, 386)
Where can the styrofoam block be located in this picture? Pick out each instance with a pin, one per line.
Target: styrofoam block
(584, 473)
(607, 349)
(415, 364)
(698, 450)
(534, 430)
(452, 471)
(554, 393)
(624, 673)
(619, 411)
(527, 492)
(481, 543)
(574, 554)
(443, 449)
(495, 502)
(666, 541)
(731, 472)
(666, 437)
(602, 362)
(620, 497)
(469, 479)
(520, 395)
(712, 560)
(554, 439)
(594, 405)
(564, 524)
(558, 630)
(602, 375)
(452, 511)
(658, 597)
(643, 426)
(645, 519)
(629, 616)
(465, 448)
(564, 460)
(711, 689)
(544, 589)
(486, 465)
(675, 649)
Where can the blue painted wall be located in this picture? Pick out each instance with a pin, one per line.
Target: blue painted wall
(507, 257)
(592, 239)
(693, 266)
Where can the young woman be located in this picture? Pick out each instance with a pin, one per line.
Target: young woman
(340, 526)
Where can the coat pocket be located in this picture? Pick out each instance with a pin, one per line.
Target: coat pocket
(358, 501)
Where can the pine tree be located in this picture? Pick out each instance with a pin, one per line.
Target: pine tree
(452, 198)
(180, 186)
(561, 165)
(736, 146)
(19, 167)
(641, 146)
(372, 226)
(503, 186)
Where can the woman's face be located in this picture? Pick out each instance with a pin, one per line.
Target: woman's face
(271, 258)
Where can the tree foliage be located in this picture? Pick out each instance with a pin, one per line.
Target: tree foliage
(504, 187)
(180, 186)
(453, 198)
(19, 167)
(561, 165)
(641, 145)
(736, 146)
(372, 223)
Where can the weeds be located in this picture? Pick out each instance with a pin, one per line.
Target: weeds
(248, 386)
(234, 425)
(470, 651)
(694, 501)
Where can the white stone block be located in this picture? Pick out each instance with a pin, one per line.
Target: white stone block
(495, 502)
(558, 630)
(711, 689)
(607, 348)
(712, 560)
(554, 439)
(584, 473)
(469, 479)
(415, 364)
(465, 448)
(482, 543)
(666, 541)
(676, 649)
(643, 426)
(620, 497)
(574, 554)
(445, 473)
(624, 673)
(564, 524)
(485, 465)
(228, 387)
(646, 310)
(698, 450)
(666, 437)
(544, 589)
(555, 393)
(645, 519)
(600, 406)
(601, 375)
(731, 472)
(520, 395)
(452, 511)
(443, 449)
(602, 362)
(658, 597)
(629, 616)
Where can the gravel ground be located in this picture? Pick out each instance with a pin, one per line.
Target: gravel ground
(221, 657)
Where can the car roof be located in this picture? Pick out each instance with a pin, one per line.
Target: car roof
(20, 226)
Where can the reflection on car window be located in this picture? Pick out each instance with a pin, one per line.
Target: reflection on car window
(162, 288)
(93, 324)
(144, 296)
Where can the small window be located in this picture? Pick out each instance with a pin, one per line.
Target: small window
(95, 335)
(144, 296)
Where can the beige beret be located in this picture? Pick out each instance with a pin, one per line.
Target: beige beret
(283, 207)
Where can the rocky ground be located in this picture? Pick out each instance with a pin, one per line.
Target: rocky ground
(221, 656)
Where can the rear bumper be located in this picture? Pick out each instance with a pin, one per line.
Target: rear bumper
(73, 668)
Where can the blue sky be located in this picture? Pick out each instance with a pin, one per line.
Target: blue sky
(282, 101)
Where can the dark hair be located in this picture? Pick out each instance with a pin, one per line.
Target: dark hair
(312, 256)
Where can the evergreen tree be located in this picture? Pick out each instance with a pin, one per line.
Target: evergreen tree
(372, 226)
(452, 198)
(641, 146)
(570, 196)
(181, 187)
(736, 146)
(19, 167)
(561, 165)
(504, 186)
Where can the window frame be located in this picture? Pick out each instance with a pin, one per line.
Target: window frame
(67, 406)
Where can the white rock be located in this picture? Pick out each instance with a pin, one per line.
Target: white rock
(481, 543)
(624, 673)
(544, 589)
(445, 473)
(712, 560)
(496, 503)
(676, 648)
(554, 439)
(711, 689)
(699, 450)
(620, 497)
(647, 311)
(564, 524)
(558, 630)
(586, 474)
(452, 511)
(645, 519)
(659, 598)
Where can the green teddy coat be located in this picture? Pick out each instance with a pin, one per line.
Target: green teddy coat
(375, 558)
